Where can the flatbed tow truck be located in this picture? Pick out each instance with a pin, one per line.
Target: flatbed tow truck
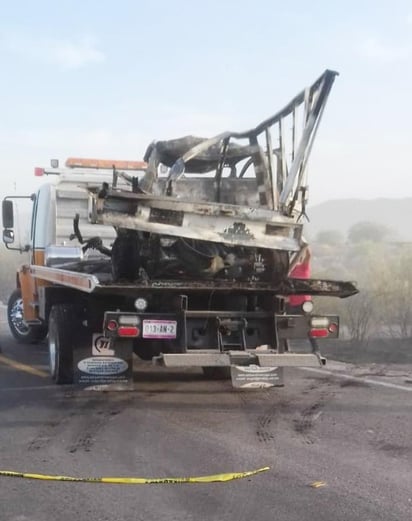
(183, 258)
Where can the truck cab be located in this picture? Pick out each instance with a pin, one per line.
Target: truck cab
(51, 240)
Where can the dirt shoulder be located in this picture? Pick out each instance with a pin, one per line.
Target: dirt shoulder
(376, 351)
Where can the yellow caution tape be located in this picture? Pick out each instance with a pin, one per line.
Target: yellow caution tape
(318, 484)
(214, 478)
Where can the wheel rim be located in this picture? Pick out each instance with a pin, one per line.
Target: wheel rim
(16, 318)
(52, 351)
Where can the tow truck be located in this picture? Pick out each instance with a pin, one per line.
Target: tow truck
(183, 258)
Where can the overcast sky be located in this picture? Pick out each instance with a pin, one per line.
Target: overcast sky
(103, 79)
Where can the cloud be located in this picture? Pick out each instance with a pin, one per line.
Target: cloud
(377, 51)
(65, 53)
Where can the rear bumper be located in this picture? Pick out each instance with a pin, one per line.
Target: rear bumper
(239, 358)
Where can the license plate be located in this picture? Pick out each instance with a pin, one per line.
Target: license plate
(159, 329)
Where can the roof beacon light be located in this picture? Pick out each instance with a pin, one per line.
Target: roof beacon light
(78, 162)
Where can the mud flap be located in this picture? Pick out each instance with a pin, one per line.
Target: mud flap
(256, 377)
(99, 361)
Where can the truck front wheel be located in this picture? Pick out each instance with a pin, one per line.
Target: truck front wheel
(22, 332)
(62, 325)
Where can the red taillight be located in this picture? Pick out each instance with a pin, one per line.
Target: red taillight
(318, 333)
(333, 328)
(38, 172)
(128, 331)
(112, 325)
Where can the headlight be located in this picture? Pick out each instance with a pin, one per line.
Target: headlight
(140, 304)
(307, 306)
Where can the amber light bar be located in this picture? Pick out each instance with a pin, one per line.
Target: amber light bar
(78, 162)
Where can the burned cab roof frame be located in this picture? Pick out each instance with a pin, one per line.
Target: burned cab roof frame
(279, 179)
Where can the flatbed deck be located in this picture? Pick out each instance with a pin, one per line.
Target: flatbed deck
(93, 283)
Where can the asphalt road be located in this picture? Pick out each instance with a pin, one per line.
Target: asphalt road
(352, 436)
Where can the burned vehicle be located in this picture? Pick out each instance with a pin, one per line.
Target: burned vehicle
(230, 208)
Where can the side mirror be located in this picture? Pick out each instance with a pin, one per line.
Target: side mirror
(8, 214)
(8, 236)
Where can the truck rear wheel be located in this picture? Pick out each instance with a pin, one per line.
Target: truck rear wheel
(62, 326)
(22, 332)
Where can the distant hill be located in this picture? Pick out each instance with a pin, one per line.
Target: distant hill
(341, 214)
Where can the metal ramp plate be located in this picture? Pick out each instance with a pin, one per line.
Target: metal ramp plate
(239, 358)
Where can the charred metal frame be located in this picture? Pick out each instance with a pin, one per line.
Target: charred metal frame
(273, 221)
(278, 187)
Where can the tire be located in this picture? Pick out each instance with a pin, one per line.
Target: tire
(216, 373)
(62, 326)
(22, 332)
